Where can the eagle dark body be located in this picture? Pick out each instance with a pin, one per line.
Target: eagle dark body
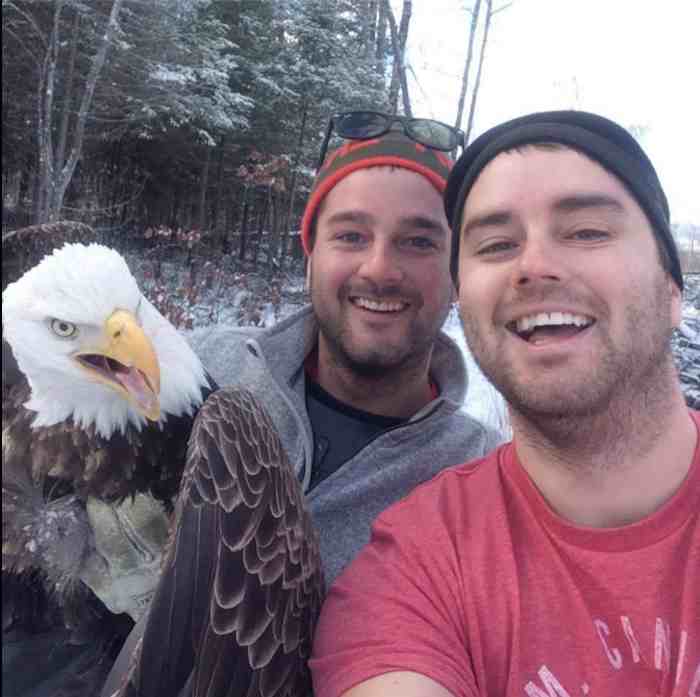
(150, 459)
(48, 474)
(86, 499)
(242, 585)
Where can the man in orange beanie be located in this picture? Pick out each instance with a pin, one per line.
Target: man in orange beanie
(366, 388)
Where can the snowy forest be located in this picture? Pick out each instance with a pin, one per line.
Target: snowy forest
(198, 122)
(187, 131)
(183, 119)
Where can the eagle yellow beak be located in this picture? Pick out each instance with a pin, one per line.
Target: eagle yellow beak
(125, 361)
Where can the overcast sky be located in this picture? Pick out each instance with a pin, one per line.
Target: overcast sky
(635, 61)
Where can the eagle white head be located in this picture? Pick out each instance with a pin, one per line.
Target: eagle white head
(93, 348)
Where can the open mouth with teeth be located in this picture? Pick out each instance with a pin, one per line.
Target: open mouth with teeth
(379, 306)
(128, 379)
(548, 326)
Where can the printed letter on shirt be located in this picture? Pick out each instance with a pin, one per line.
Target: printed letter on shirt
(554, 687)
(613, 655)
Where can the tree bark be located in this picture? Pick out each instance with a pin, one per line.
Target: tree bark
(243, 237)
(467, 65)
(293, 185)
(475, 91)
(219, 190)
(68, 96)
(57, 175)
(380, 52)
(47, 180)
(204, 185)
(399, 38)
(368, 17)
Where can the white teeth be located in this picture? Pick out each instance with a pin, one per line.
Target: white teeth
(377, 306)
(544, 319)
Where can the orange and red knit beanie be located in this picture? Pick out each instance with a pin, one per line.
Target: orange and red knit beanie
(393, 149)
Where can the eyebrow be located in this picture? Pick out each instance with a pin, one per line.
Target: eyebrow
(577, 202)
(495, 219)
(422, 222)
(417, 222)
(351, 217)
(566, 204)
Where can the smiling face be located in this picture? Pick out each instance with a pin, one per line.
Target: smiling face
(562, 295)
(380, 282)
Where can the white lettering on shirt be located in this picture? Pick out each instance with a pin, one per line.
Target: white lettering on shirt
(614, 656)
(681, 655)
(629, 633)
(694, 690)
(662, 646)
(553, 686)
(672, 651)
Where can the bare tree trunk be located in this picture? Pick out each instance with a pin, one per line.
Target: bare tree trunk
(467, 65)
(273, 235)
(293, 186)
(380, 53)
(368, 18)
(215, 226)
(398, 41)
(56, 176)
(475, 91)
(243, 235)
(262, 218)
(68, 96)
(204, 185)
(46, 181)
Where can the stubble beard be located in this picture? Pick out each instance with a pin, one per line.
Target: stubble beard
(598, 407)
(374, 362)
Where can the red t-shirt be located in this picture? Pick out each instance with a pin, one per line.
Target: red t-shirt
(476, 583)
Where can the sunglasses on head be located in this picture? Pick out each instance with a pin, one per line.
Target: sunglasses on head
(361, 125)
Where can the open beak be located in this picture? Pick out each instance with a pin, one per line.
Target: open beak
(125, 361)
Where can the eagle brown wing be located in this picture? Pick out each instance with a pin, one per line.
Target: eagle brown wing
(242, 583)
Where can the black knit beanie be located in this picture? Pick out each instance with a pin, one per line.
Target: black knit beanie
(391, 149)
(595, 136)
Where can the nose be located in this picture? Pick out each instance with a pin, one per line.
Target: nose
(538, 262)
(381, 265)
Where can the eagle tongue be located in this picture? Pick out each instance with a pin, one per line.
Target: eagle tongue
(135, 384)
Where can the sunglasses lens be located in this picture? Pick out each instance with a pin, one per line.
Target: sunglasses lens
(433, 134)
(360, 124)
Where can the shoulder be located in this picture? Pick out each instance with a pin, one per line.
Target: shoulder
(471, 489)
(452, 436)
(468, 427)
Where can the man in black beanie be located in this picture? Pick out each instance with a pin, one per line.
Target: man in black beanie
(568, 561)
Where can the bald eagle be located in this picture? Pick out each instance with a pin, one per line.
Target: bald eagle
(95, 427)
(97, 434)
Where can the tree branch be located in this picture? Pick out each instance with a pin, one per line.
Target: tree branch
(31, 21)
(95, 68)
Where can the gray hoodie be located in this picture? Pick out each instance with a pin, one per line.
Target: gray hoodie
(269, 362)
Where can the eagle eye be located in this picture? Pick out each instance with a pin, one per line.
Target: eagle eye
(64, 329)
